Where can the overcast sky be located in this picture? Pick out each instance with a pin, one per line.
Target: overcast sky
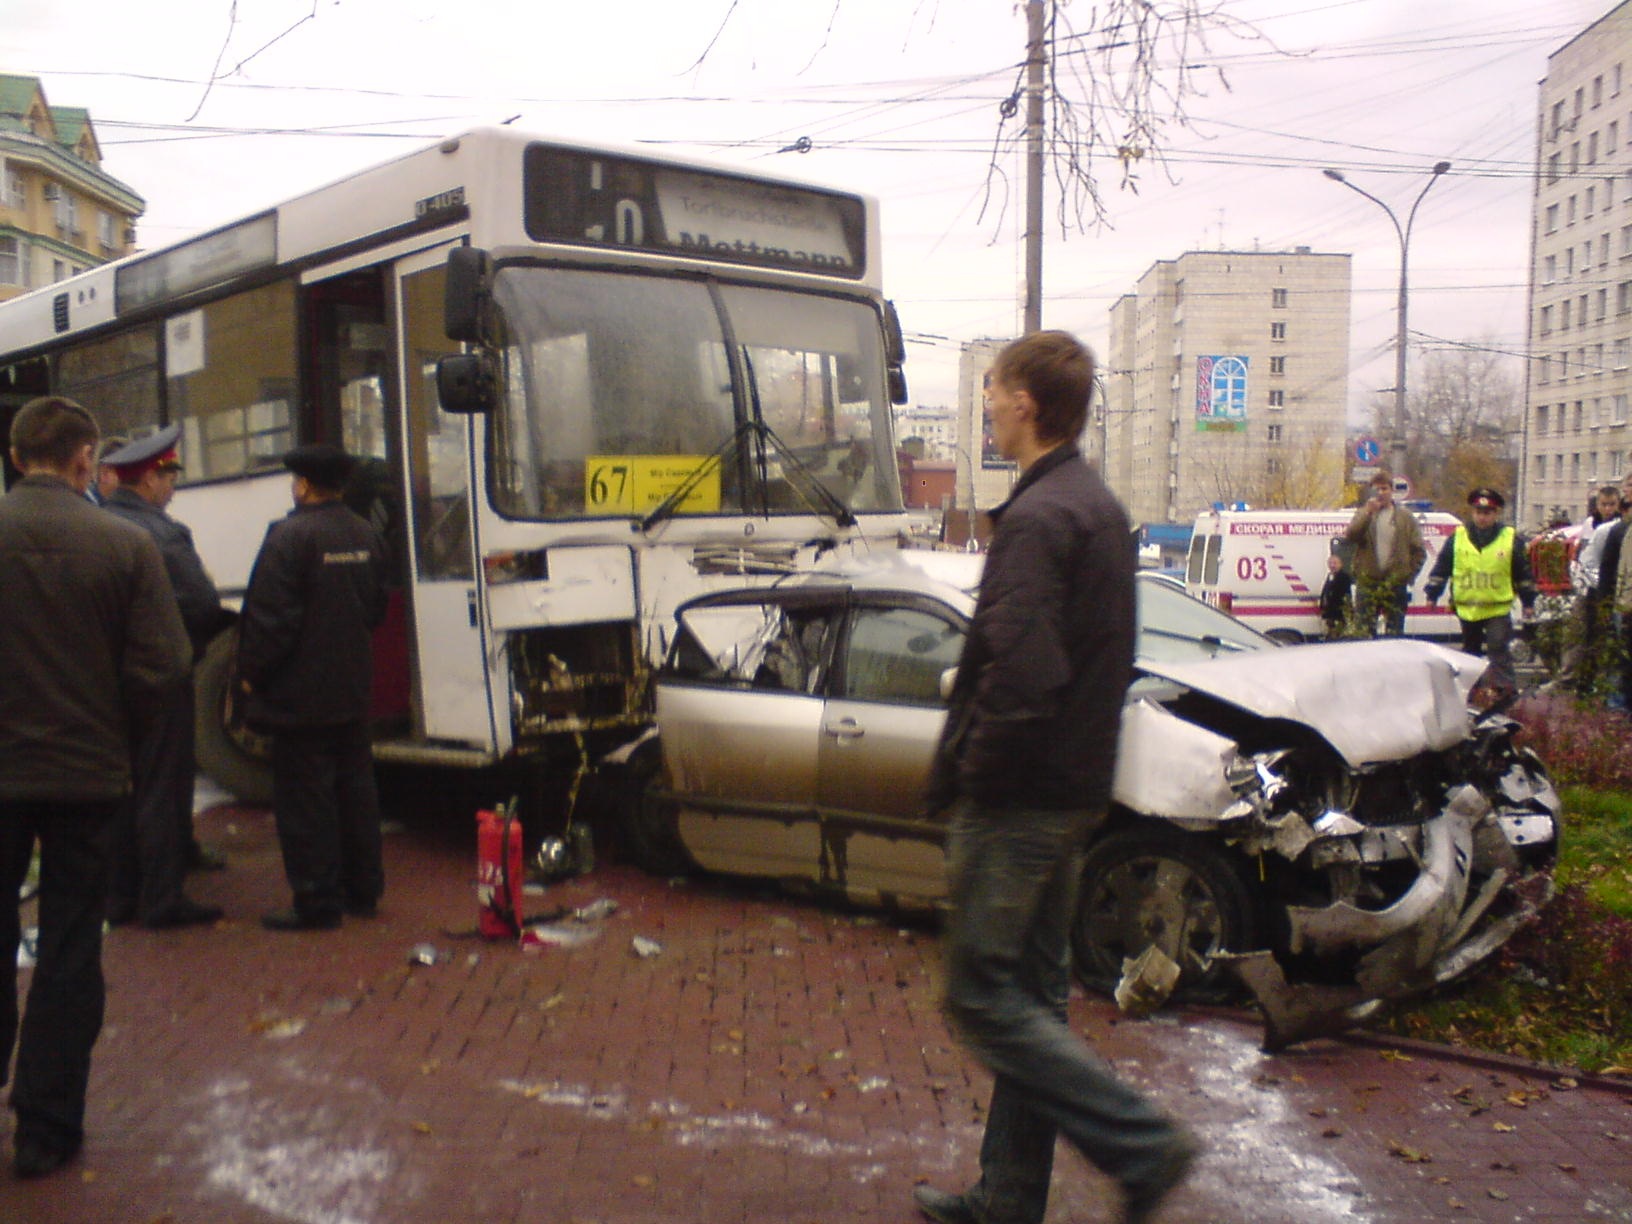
(214, 108)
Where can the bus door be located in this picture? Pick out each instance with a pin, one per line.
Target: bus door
(453, 685)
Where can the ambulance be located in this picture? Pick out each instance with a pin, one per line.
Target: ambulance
(1266, 568)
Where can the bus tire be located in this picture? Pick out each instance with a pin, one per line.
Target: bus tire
(235, 758)
(1286, 637)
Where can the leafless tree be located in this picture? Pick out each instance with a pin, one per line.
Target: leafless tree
(1112, 91)
(1465, 411)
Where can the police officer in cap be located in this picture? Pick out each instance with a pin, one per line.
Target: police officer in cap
(1486, 570)
(154, 844)
(305, 666)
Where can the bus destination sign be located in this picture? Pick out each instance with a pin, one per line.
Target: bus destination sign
(601, 200)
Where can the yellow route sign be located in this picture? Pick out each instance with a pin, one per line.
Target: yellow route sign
(636, 484)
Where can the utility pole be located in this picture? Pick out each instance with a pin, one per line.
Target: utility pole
(1035, 65)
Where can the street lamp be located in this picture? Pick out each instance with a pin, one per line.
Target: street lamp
(1396, 444)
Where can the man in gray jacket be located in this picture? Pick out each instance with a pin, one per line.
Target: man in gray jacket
(91, 636)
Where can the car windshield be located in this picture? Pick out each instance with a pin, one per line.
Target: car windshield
(1174, 628)
(618, 387)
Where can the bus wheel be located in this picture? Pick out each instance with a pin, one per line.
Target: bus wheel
(1286, 637)
(236, 758)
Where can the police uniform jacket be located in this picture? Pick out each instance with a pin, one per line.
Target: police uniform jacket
(199, 601)
(90, 637)
(1037, 707)
(314, 597)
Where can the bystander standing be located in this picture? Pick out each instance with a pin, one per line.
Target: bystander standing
(91, 637)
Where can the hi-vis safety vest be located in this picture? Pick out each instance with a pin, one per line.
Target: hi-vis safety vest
(1482, 578)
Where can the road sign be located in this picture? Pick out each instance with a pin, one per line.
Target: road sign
(1360, 475)
(1367, 449)
(1402, 487)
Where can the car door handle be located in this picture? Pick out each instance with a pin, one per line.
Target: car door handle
(845, 728)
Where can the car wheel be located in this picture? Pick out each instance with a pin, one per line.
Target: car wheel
(651, 836)
(1157, 885)
(235, 758)
(1286, 637)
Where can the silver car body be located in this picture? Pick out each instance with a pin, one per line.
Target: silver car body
(1367, 814)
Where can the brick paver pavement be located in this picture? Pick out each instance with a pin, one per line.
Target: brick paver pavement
(775, 1062)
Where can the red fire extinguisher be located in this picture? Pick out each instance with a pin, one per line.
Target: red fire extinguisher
(498, 873)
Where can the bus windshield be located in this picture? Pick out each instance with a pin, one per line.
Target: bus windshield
(619, 389)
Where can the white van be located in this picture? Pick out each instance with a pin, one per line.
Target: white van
(1266, 567)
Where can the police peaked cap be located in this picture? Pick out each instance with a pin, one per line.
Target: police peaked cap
(156, 450)
(1486, 499)
(325, 465)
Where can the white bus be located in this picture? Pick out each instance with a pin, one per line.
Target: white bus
(586, 384)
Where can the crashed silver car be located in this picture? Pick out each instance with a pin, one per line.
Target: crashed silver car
(1331, 825)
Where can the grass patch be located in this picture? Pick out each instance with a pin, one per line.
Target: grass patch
(1595, 850)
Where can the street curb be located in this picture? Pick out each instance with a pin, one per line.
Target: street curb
(1489, 1060)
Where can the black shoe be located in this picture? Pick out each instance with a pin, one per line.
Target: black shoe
(205, 858)
(183, 913)
(944, 1208)
(1143, 1198)
(293, 919)
(36, 1159)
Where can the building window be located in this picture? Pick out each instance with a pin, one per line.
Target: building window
(1277, 398)
(1546, 320)
(1564, 315)
(1587, 203)
(104, 229)
(1612, 137)
(1603, 252)
(1277, 331)
(1277, 299)
(1592, 152)
(59, 271)
(1552, 219)
(16, 189)
(1550, 267)
(1597, 92)
(1277, 365)
(1597, 359)
(1544, 370)
(1541, 421)
(1620, 410)
(1601, 306)
(1552, 169)
(1275, 434)
(13, 262)
(1623, 297)
(1623, 346)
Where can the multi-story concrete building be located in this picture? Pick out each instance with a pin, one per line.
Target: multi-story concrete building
(60, 213)
(984, 477)
(1226, 380)
(1577, 432)
(936, 426)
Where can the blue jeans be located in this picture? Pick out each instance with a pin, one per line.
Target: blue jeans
(1014, 876)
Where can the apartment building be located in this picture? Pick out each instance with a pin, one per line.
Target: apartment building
(1226, 380)
(984, 478)
(60, 213)
(1577, 432)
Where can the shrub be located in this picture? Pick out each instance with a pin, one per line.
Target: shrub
(1581, 743)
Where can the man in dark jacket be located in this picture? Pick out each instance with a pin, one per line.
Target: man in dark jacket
(90, 637)
(305, 665)
(154, 842)
(1025, 767)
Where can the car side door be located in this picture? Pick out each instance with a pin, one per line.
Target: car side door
(880, 725)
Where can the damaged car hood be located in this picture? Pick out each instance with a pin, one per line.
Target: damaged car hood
(1372, 701)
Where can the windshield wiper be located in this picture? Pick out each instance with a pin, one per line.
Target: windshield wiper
(830, 503)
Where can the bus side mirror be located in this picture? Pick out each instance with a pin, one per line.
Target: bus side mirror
(897, 378)
(465, 293)
(895, 354)
(465, 383)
